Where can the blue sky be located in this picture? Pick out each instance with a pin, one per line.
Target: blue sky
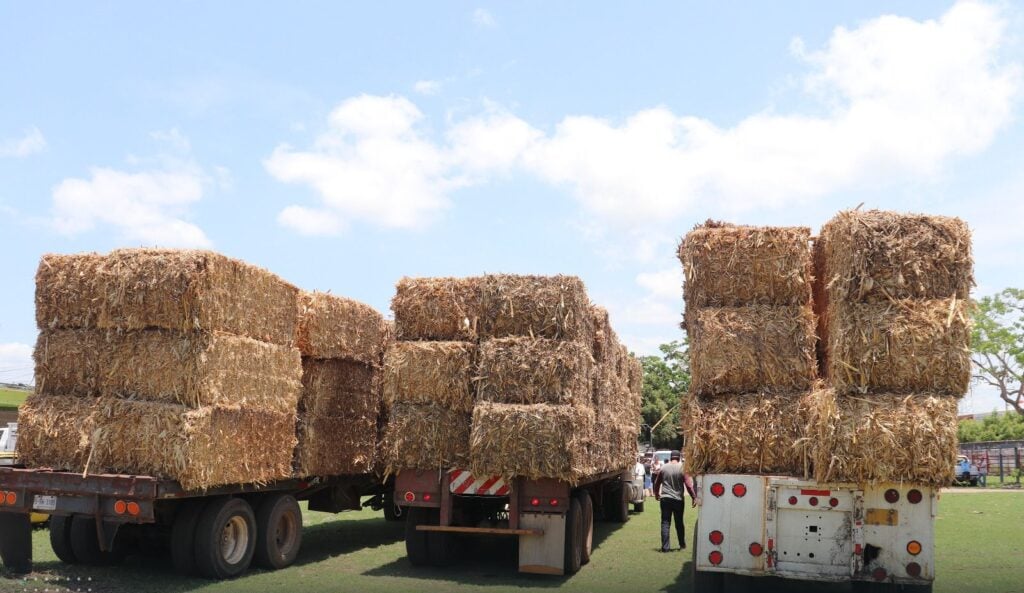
(343, 147)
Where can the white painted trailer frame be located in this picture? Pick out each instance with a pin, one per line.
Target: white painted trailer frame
(879, 537)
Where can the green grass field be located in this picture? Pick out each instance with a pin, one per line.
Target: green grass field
(980, 548)
(10, 399)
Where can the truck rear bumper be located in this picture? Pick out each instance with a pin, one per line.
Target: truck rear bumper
(479, 530)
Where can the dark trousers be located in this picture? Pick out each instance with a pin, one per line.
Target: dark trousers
(672, 509)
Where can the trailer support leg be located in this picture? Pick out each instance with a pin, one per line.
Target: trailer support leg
(16, 542)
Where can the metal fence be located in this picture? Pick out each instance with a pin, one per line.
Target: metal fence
(1002, 459)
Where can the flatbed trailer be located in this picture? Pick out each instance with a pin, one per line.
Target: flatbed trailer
(215, 533)
(552, 519)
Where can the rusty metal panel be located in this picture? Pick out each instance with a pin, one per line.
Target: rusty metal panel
(890, 517)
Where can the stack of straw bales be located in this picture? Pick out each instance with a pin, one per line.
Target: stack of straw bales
(750, 320)
(170, 363)
(342, 343)
(508, 375)
(894, 323)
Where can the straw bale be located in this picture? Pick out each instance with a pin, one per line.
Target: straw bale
(729, 265)
(883, 438)
(195, 290)
(743, 349)
(430, 373)
(333, 387)
(335, 445)
(426, 437)
(877, 255)
(522, 370)
(68, 290)
(190, 368)
(555, 307)
(900, 346)
(614, 446)
(756, 433)
(335, 327)
(605, 342)
(635, 376)
(211, 446)
(437, 308)
(532, 441)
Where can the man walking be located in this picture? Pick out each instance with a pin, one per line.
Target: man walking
(668, 488)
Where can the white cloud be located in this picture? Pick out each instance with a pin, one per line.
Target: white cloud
(663, 284)
(29, 144)
(16, 364)
(427, 87)
(495, 141)
(307, 221)
(483, 18)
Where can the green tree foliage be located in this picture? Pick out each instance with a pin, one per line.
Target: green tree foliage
(998, 344)
(666, 379)
(1001, 427)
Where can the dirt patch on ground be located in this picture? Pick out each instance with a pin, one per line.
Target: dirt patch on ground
(8, 416)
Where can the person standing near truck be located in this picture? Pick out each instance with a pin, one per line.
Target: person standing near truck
(668, 489)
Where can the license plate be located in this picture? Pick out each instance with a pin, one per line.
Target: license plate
(42, 502)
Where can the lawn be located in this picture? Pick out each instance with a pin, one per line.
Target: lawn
(980, 547)
(10, 399)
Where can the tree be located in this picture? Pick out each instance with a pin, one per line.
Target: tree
(666, 378)
(998, 344)
(994, 427)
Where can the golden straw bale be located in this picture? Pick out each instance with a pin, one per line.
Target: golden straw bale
(878, 256)
(190, 368)
(605, 342)
(743, 349)
(54, 431)
(335, 445)
(524, 370)
(336, 327)
(900, 346)
(883, 438)
(430, 372)
(755, 433)
(616, 448)
(426, 437)
(555, 307)
(69, 290)
(335, 387)
(729, 265)
(532, 441)
(437, 308)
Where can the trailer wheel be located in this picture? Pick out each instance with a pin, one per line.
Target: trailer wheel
(417, 545)
(711, 582)
(225, 538)
(60, 538)
(85, 543)
(574, 537)
(587, 506)
(442, 548)
(278, 531)
(638, 507)
(183, 536)
(617, 509)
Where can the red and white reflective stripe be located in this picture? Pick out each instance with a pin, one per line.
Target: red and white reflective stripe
(463, 482)
(807, 492)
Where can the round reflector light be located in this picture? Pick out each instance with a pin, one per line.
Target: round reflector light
(813, 501)
(914, 548)
(716, 537)
(11, 499)
(833, 502)
(739, 490)
(892, 496)
(879, 574)
(553, 502)
(756, 549)
(792, 500)
(914, 569)
(717, 489)
(534, 502)
(133, 508)
(427, 497)
(409, 497)
(715, 557)
(914, 496)
(120, 507)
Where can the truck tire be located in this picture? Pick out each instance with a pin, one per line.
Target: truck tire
(442, 548)
(85, 543)
(617, 510)
(638, 507)
(60, 539)
(587, 506)
(278, 531)
(225, 538)
(573, 537)
(709, 582)
(183, 536)
(417, 545)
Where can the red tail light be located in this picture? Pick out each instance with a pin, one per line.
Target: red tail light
(793, 500)
(813, 501)
(410, 497)
(716, 537)
(739, 490)
(892, 496)
(553, 502)
(756, 549)
(715, 558)
(914, 569)
(717, 489)
(534, 502)
(879, 574)
(914, 496)
(833, 502)
(427, 497)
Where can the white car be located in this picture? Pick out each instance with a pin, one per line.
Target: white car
(8, 442)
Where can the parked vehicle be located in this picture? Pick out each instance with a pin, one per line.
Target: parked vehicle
(879, 538)
(966, 471)
(8, 442)
(552, 519)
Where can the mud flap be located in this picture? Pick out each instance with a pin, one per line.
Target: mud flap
(542, 554)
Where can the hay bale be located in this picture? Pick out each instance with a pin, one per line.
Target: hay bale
(194, 369)
(555, 307)
(437, 308)
(523, 370)
(759, 347)
(430, 373)
(195, 290)
(68, 290)
(605, 342)
(426, 437)
(211, 446)
(748, 433)
(335, 327)
(616, 448)
(334, 388)
(635, 376)
(883, 438)
(877, 255)
(729, 265)
(335, 445)
(901, 346)
(532, 441)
